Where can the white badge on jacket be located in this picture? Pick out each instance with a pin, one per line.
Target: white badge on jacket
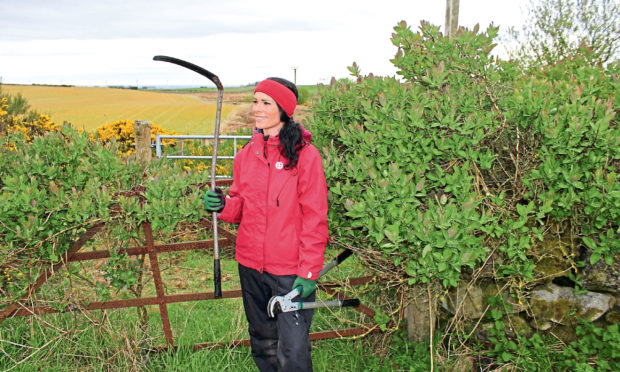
(279, 165)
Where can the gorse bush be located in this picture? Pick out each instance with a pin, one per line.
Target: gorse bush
(122, 132)
(17, 105)
(4, 107)
(15, 117)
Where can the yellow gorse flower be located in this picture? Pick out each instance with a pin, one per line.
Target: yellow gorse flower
(14, 124)
(122, 131)
(4, 107)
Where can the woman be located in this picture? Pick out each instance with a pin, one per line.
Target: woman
(279, 197)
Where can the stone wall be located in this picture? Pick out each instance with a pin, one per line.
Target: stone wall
(562, 294)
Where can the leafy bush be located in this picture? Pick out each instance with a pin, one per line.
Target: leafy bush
(568, 111)
(404, 161)
(596, 346)
(469, 156)
(57, 186)
(471, 161)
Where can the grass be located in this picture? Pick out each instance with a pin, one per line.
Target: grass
(114, 340)
(88, 108)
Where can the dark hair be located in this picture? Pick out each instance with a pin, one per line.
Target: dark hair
(291, 139)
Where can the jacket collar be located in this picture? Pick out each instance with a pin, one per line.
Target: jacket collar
(305, 134)
(260, 137)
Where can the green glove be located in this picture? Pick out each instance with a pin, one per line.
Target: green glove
(214, 201)
(307, 286)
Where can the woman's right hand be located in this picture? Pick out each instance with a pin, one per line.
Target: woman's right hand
(214, 200)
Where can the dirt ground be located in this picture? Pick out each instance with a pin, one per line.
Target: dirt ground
(242, 117)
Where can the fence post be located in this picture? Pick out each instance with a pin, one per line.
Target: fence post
(420, 315)
(142, 130)
(158, 145)
(452, 18)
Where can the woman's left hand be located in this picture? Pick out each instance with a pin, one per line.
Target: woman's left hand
(307, 286)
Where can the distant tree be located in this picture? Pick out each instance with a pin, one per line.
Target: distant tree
(556, 29)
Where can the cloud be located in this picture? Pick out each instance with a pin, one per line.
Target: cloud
(112, 19)
(113, 41)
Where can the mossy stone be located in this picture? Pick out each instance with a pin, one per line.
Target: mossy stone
(613, 316)
(566, 333)
(602, 277)
(555, 257)
(473, 301)
(553, 303)
(518, 326)
(561, 305)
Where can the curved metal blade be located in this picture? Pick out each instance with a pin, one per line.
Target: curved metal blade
(209, 75)
(271, 310)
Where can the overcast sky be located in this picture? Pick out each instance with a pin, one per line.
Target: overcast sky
(112, 42)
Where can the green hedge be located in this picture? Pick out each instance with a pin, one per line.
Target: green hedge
(62, 183)
(468, 156)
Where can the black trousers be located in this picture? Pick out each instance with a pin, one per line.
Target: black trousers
(283, 343)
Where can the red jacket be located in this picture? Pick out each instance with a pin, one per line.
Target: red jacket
(282, 213)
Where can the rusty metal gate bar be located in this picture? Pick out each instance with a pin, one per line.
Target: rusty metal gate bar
(159, 286)
(72, 255)
(75, 246)
(187, 297)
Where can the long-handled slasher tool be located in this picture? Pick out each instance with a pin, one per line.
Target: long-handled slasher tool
(283, 304)
(217, 277)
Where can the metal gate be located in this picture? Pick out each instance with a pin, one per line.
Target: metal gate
(21, 308)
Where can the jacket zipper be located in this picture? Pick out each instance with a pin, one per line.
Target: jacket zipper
(266, 201)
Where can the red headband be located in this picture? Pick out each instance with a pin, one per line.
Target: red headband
(280, 93)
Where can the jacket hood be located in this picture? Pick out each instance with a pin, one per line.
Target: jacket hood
(305, 133)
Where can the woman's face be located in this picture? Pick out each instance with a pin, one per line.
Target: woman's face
(267, 114)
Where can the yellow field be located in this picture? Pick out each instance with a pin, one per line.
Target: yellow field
(89, 108)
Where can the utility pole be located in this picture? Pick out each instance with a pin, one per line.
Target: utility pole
(452, 17)
(295, 75)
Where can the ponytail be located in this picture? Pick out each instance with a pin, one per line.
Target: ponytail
(291, 141)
